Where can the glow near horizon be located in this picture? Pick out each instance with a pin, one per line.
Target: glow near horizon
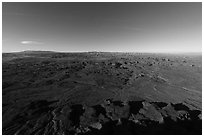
(120, 27)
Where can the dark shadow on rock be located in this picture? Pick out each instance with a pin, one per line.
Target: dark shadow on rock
(149, 127)
(160, 104)
(77, 111)
(182, 127)
(99, 110)
(117, 65)
(118, 103)
(180, 106)
(135, 106)
(192, 126)
(194, 114)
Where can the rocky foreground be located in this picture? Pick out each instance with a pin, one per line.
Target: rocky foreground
(101, 93)
(110, 117)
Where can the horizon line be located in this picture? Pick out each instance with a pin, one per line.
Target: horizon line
(99, 51)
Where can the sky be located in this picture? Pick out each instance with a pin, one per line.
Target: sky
(109, 27)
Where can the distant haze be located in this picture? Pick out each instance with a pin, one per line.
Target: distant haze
(120, 27)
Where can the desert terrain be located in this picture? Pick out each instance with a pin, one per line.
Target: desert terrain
(101, 93)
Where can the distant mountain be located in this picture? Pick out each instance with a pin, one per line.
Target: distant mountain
(36, 51)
